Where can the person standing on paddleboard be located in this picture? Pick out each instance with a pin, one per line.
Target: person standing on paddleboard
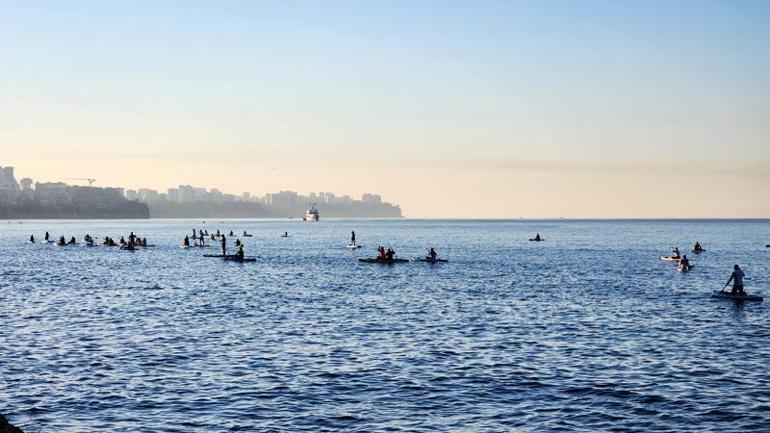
(352, 238)
(224, 245)
(737, 278)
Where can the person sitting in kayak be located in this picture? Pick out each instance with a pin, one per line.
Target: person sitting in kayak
(238, 243)
(32, 239)
(62, 241)
(737, 278)
(186, 241)
(684, 263)
(382, 255)
(697, 246)
(389, 254)
(239, 255)
(675, 252)
(537, 237)
(352, 238)
(432, 254)
(73, 241)
(231, 233)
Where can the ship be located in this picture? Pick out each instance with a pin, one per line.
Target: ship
(312, 214)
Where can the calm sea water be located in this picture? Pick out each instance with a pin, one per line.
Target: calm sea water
(588, 331)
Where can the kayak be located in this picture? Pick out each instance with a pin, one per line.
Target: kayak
(683, 269)
(383, 261)
(698, 251)
(429, 260)
(354, 247)
(728, 295)
(670, 259)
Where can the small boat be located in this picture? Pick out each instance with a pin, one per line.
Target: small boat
(383, 261)
(670, 258)
(429, 260)
(312, 214)
(728, 295)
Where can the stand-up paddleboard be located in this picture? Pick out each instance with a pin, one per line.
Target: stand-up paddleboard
(353, 246)
(537, 240)
(429, 260)
(238, 259)
(383, 261)
(728, 295)
(670, 259)
(219, 256)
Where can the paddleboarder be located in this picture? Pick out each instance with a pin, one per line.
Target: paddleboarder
(224, 245)
(737, 278)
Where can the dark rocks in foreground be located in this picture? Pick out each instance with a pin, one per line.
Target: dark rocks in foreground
(6, 427)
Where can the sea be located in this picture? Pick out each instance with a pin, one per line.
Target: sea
(588, 331)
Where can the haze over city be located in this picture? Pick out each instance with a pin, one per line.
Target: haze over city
(450, 109)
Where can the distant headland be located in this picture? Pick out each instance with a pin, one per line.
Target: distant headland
(58, 200)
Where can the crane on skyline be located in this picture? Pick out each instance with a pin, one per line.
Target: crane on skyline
(90, 181)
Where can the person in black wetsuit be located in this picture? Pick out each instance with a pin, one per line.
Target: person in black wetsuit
(224, 245)
(46, 237)
(239, 255)
(389, 254)
(432, 254)
(352, 238)
(32, 239)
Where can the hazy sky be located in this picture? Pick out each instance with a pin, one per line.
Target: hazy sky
(451, 109)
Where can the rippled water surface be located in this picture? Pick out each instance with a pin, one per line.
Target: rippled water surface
(588, 331)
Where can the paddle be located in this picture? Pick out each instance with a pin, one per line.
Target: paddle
(723, 288)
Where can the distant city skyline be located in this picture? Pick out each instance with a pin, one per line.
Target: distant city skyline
(498, 109)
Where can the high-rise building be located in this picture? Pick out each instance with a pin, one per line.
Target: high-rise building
(371, 198)
(7, 179)
(26, 184)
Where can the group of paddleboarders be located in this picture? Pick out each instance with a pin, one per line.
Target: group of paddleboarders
(736, 277)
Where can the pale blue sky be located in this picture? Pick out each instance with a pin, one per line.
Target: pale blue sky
(485, 93)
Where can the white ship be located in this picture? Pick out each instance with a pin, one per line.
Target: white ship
(312, 214)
